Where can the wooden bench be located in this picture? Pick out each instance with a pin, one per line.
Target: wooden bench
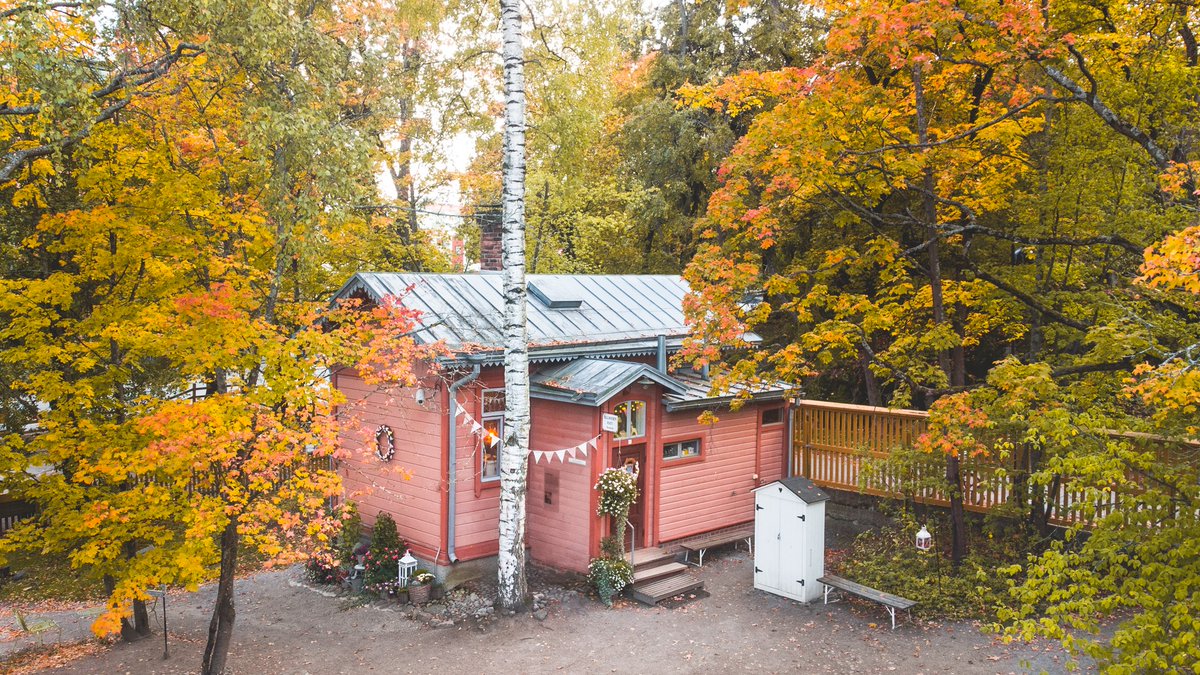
(889, 601)
(706, 541)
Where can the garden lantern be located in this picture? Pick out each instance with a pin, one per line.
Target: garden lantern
(924, 543)
(924, 539)
(408, 565)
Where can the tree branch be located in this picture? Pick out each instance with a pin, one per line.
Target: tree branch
(1029, 301)
(1110, 117)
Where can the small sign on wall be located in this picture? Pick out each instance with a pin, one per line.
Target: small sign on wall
(608, 422)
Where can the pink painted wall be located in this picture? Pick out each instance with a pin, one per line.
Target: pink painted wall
(558, 533)
(715, 491)
(410, 486)
(773, 450)
(478, 503)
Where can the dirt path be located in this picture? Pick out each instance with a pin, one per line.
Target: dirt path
(283, 626)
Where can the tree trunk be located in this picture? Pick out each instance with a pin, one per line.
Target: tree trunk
(958, 531)
(220, 629)
(512, 588)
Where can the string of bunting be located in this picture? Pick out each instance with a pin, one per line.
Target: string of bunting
(549, 455)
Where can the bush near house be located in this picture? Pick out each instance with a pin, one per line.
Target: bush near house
(384, 554)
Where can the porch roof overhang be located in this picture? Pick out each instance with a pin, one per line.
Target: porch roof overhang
(699, 394)
(595, 381)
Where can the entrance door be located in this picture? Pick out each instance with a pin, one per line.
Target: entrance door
(635, 455)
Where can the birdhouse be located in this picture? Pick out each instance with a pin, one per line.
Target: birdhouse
(789, 538)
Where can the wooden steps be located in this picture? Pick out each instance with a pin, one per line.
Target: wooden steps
(648, 574)
(658, 576)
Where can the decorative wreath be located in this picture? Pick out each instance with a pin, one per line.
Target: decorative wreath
(385, 443)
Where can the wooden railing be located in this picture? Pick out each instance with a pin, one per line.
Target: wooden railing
(843, 446)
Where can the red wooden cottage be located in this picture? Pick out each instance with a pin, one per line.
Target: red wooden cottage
(599, 346)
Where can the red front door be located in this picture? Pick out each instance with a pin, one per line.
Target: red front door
(635, 456)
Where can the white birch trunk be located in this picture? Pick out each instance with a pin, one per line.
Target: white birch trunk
(514, 455)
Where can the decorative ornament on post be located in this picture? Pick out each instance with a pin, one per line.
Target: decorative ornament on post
(408, 565)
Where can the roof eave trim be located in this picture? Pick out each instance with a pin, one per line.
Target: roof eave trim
(721, 401)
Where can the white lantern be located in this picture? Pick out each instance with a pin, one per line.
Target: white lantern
(408, 565)
(924, 539)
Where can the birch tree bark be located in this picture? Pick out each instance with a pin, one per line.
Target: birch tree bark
(514, 454)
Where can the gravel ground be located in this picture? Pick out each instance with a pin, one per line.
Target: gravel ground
(286, 626)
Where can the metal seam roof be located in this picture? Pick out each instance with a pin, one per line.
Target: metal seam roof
(465, 309)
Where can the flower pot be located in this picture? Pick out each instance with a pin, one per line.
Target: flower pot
(439, 591)
(419, 594)
(402, 596)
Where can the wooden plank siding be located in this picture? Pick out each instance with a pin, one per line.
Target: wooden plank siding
(558, 532)
(832, 442)
(410, 486)
(715, 492)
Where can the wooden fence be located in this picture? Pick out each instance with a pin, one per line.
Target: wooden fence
(842, 446)
(14, 512)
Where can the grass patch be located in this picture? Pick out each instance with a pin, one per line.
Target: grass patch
(47, 578)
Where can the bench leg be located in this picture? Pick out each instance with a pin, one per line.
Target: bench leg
(826, 594)
(750, 544)
(892, 612)
(701, 552)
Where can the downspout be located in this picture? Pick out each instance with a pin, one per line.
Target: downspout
(790, 408)
(453, 452)
(662, 354)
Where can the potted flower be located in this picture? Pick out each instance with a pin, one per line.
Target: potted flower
(420, 586)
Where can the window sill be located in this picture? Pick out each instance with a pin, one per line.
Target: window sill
(668, 463)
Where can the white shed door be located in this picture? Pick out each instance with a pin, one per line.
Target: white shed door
(767, 540)
(794, 556)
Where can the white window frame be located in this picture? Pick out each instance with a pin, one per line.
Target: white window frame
(679, 450)
(627, 419)
(484, 418)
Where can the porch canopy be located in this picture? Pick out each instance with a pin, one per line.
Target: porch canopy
(594, 381)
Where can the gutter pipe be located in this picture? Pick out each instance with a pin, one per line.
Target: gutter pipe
(452, 512)
(662, 354)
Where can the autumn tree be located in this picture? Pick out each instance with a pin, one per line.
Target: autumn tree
(916, 207)
(166, 283)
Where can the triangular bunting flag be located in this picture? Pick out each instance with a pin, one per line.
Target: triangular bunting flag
(561, 454)
(592, 442)
(537, 456)
(476, 427)
(461, 409)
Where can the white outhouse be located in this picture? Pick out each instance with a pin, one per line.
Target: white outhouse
(789, 538)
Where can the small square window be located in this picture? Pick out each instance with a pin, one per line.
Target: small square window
(772, 416)
(682, 449)
(493, 401)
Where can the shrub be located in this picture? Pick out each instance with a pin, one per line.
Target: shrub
(887, 559)
(384, 553)
(350, 534)
(610, 576)
(323, 568)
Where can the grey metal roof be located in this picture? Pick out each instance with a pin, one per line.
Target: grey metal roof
(800, 486)
(698, 393)
(465, 311)
(594, 381)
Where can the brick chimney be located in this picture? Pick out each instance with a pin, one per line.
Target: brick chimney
(491, 228)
